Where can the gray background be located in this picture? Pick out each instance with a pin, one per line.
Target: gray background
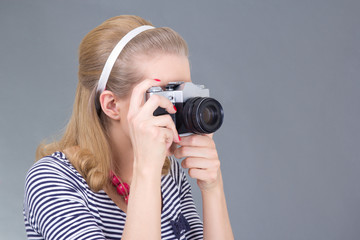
(286, 72)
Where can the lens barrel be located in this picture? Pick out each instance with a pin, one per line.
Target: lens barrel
(202, 115)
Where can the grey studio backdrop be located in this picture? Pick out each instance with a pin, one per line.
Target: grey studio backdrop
(286, 72)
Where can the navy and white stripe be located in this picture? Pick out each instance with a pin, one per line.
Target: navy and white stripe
(58, 204)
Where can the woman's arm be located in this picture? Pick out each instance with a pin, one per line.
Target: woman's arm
(204, 165)
(215, 213)
(150, 137)
(143, 219)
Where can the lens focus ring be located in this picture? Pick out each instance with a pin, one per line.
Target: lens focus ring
(203, 115)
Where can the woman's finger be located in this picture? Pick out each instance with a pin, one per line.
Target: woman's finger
(156, 101)
(167, 136)
(201, 163)
(203, 175)
(202, 152)
(137, 95)
(197, 140)
(167, 122)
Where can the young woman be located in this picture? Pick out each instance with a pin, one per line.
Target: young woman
(112, 174)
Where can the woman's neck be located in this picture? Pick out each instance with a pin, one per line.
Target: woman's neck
(122, 155)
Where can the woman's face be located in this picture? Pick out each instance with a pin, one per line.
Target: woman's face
(167, 68)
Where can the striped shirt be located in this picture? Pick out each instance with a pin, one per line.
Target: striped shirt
(59, 204)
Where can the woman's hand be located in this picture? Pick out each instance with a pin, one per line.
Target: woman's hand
(201, 159)
(151, 136)
(204, 165)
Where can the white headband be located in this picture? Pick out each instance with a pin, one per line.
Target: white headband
(115, 54)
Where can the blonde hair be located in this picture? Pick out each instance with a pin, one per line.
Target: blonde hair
(87, 128)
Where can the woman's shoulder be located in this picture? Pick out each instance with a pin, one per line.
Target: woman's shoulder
(56, 162)
(56, 198)
(51, 176)
(55, 168)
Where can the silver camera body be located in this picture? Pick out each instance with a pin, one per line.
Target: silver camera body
(196, 111)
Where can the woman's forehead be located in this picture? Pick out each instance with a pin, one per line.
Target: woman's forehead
(168, 68)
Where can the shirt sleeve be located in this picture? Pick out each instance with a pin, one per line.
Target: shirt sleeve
(188, 207)
(54, 204)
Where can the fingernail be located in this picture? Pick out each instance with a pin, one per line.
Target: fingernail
(179, 138)
(175, 108)
(157, 80)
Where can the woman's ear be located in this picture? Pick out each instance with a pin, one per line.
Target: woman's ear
(110, 104)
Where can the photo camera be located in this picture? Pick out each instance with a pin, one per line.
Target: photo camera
(196, 111)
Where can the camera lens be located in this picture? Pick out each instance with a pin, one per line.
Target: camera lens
(203, 115)
(208, 115)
